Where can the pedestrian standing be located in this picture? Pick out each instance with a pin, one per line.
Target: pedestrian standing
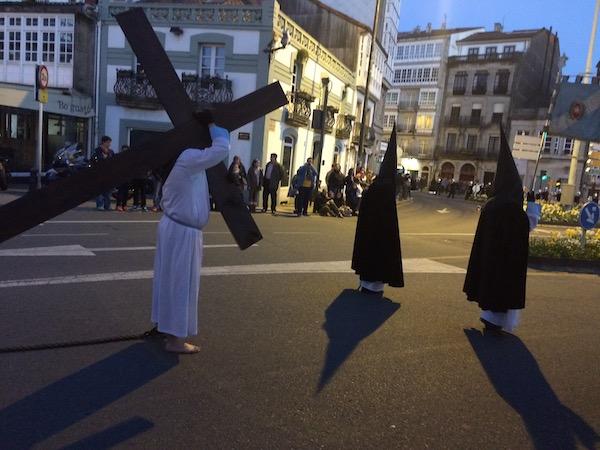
(272, 177)
(100, 154)
(123, 190)
(255, 182)
(452, 188)
(237, 174)
(335, 185)
(178, 259)
(307, 180)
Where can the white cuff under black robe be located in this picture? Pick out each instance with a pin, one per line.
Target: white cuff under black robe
(178, 259)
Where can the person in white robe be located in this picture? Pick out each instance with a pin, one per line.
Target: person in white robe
(178, 259)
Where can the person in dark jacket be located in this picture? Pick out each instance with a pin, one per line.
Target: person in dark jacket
(255, 182)
(237, 173)
(335, 185)
(101, 153)
(497, 271)
(123, 190)
(272, 176)
(377, 257)
(307, 182)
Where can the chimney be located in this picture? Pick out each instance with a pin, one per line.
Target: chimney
(429, 27)
(498, 27)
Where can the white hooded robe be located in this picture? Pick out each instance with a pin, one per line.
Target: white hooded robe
(178, 258)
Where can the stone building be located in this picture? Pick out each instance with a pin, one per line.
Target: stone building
(494, 76)
(62, 37)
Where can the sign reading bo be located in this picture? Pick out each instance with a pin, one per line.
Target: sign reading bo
(590, 214)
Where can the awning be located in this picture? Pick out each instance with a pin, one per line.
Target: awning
(59, 102)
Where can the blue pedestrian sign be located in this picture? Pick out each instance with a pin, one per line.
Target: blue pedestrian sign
(590, 215)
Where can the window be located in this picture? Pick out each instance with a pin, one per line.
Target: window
(494, 144)
(66, 22)
(455, 114)
(429, 51)
(451, 142)
(397, 75)
(497, 117)
(471, 142)
(509, 49)
(406, 123)
(14, 45)
(14, 21)
(424, 122)
(490, 52)
(568, 148)
(427, 98)
(475, 118)
(480, 83)
(391, 98)
(400, 52)
(48, 22)
(416, 75)
(460, 83)
(434, 74)
(65, 54)
(1, 21)
(1, 45)
(31, 22)
(212, 60)
(472, 53)
(286, 160)
(547, 143)
(523, 132)
(48, 46)
(501, 82)
(31, 46)
(389, 120)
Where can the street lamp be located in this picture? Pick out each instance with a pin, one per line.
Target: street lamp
(325, 83)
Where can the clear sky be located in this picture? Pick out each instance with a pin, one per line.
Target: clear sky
(572, 19)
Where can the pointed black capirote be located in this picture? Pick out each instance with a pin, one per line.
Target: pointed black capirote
(507, 183)
(388, 169)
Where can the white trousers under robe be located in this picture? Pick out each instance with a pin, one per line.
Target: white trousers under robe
(177, 265)
(507, 320)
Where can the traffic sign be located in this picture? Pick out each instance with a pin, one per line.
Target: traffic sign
(590, 215)
(43, 77)
(41, 83)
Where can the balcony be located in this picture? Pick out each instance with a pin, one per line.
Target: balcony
(413, 151)
(403, 128)
(462, 122)
(344, 126)
(329, 119)
(482, 59)
(207, 91)
(479, 154)
(501, 89)
(479, 90)
(298, 109)
(134, 90)
(459, 90)
(369, 135)
(408, 106)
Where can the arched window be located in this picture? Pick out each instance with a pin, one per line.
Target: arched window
(447, 171)
(467, 173)
(287, 158)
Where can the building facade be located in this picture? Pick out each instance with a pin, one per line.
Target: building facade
(415, 101)
(493, 75)
(62, 37)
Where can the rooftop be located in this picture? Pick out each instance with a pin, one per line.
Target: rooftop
(487, 36)
(418, 33)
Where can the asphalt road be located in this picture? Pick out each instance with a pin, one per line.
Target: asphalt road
(291, 356)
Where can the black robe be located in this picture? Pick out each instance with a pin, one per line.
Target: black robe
(377, 255)
(497, 269)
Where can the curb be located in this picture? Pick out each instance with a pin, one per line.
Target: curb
(564, 265)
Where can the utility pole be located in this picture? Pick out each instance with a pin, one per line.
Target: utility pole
(578, 145)
(361, 139)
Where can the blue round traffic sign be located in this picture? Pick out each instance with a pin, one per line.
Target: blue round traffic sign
(590, 215)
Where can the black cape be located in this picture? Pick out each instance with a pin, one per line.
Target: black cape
(377, 255)
(497, 271)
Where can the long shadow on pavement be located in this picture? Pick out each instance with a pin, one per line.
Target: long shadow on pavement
(63, 403)
(113, 435)
(517, 378)
(350, 318)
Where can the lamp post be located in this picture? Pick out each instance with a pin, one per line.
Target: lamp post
(325, 83)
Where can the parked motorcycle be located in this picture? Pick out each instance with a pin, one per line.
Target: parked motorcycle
(67, 161)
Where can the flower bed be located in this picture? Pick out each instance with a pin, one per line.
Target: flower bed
(567, 246)
(556, 214)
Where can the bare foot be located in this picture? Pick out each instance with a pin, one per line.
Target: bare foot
(178, 345)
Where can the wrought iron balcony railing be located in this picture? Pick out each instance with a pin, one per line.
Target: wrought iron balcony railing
(369, 135)
(329, 119)
(298, 109)
(344, 126)
(466, 153)
(509, 57)
(135, 91)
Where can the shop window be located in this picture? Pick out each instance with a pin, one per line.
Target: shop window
(66, 47)
(212, 60)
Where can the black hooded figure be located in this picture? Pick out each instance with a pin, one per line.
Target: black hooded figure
(377, 257)
(498, 264)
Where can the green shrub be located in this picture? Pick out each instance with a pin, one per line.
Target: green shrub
(567, 245)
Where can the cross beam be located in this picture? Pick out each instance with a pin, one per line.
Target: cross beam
(43, 204)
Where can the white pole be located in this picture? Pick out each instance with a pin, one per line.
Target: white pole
(577, 145)
(38, 154)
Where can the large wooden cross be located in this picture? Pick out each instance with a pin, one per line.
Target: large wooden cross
(43, 204)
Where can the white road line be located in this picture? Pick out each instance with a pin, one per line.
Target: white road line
(102, 221)
(130, 249)
(79, 250)
(64, 234)
(411, 265)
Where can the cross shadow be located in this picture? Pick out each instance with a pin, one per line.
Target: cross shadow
(56, 407)
(113, 435)
(517, 378)
(350, 318)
